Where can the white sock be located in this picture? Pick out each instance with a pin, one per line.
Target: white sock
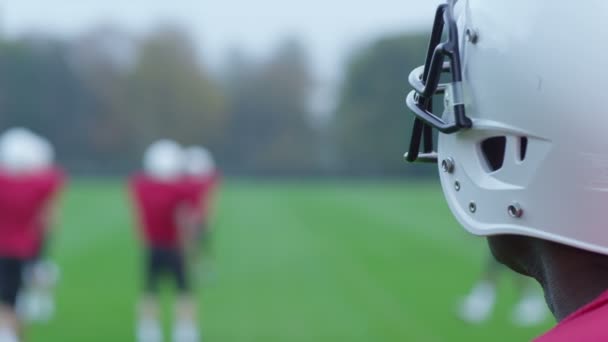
(46, 274)
(149, 330)
(530, 310)
(28, 306)
(478, 305)
(21, 307)
(185, 330)
(8, 335)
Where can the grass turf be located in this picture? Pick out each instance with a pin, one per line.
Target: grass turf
(293, 263)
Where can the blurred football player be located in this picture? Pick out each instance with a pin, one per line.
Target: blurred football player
(522, 149)
(202, 177)
(478, 305)
(35, 301)
(27, 188)
(164, 208)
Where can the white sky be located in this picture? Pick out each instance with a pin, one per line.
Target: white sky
(330, 28)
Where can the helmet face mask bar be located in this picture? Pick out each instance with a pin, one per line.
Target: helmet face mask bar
(426, 83)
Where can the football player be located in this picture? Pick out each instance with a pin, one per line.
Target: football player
(27, 189)
(35, 301)
(164, 208)
(522, 149)
(202, 177)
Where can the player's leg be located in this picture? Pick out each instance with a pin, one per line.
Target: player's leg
(193, 248)
(46, 276)
(148, 313)
(10, 284)
(185, 325)
(185, 322)
(531, 309)
(35, 301)
(478, 305)
(27, 306)
(9, 331)
(202, 262)
(201, 239)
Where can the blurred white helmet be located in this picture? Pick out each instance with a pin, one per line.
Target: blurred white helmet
(164, 160)
(199, 161)
(47, 152)
(522, 147)
(22, 151)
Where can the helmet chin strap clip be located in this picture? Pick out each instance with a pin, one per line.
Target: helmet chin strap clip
(426, 158)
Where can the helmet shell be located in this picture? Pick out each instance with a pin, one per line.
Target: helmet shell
(537, 83)
(164, 160)
(22, 151)
(199, 161)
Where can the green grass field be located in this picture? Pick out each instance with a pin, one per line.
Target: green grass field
(293, 263)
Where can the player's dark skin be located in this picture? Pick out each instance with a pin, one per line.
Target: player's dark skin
(570, 277)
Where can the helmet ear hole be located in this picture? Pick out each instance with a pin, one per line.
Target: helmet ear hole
(493, 151)
(523, 148)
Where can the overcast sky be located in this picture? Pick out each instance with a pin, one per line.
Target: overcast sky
(330, 28)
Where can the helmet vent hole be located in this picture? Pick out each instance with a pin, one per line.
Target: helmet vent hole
(523, 148)
(493, 150)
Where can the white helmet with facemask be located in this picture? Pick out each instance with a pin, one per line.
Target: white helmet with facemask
(522, 147)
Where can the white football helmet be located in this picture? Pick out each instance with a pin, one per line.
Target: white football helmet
(199, 161)
(522, 147)
(48, 152)
(22, 151)
(164, 160)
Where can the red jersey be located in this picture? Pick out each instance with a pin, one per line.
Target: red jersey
(157, 204)
(23, 202)
(201, 191)
(586, 325)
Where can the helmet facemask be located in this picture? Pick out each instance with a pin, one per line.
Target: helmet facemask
(443, 57)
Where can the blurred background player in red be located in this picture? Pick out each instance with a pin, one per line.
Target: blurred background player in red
(164, 207)
(27, 189)
(202, 178)
(35, 302)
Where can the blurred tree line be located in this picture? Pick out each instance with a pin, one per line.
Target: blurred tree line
(101, 98)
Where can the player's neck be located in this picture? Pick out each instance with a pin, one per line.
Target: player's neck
(572, 278)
